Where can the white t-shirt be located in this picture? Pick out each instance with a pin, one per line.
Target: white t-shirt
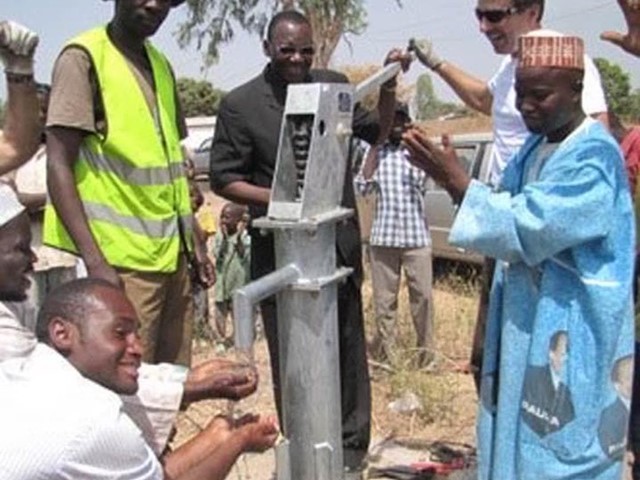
(509, 130)
(32, 178)
(56, 424)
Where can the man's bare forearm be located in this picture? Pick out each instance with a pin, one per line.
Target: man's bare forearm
(208, 456)
(471, 90)
(21, 135)
(63, 145)
(245, 193)
(22, 128)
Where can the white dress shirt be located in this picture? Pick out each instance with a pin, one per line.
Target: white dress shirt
(31, 178)
(153, 408)
(16, 330)
(56, 424)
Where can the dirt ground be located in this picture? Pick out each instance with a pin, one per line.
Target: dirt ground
(447, 398)
(446, 395)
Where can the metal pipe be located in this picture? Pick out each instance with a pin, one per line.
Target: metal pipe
(376, 80)
(323, 459)
(245, 298)
(283, 460)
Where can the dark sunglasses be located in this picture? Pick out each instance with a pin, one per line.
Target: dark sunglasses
(291, 51)
(495, 16)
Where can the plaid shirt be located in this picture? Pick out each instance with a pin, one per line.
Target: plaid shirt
(399, 219)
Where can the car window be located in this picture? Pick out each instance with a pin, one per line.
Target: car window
(466, 155)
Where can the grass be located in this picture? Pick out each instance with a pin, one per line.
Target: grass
(446, 395)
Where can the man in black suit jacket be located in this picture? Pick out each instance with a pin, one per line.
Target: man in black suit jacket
(243, 157)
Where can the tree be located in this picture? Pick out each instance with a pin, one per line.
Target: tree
(616, 85)
(1, 113)
(429, 107)
(425, 100)
(621, 99)
(198, 97)
(212, 23)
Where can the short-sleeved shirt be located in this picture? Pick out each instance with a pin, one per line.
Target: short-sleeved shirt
(75, 100)
(31, 178)
(630, 146)
(509, 129)
(399, 220)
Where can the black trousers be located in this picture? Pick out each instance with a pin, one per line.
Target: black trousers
(354, 373)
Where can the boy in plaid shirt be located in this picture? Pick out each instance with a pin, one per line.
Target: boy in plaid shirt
(399, 239)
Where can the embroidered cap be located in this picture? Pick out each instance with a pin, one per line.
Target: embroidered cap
(546, 48)
(10, 206)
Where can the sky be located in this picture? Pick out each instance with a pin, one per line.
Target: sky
(450, 24)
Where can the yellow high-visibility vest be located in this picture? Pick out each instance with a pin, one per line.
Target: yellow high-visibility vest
(130, 179)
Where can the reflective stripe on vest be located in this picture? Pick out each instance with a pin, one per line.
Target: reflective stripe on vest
(130, 179)
(129, 173)
(157, 229)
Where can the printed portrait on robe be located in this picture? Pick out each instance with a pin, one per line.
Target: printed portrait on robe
(612, 428)
(547, 405)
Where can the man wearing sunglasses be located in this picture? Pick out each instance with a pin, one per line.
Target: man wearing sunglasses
(243, 157)
(503, 22)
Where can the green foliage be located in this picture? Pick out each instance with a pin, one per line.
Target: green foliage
(198, 97)
(213, 23)
(615, 82)
(425, 99)
(1, 113)
(427, 104)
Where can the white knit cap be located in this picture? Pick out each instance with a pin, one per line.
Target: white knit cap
(10, 206)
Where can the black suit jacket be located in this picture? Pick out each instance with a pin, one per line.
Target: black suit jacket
(612, 429)
(245, 147)
(545, 408)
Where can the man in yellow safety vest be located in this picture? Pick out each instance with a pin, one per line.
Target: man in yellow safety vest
(119, 195)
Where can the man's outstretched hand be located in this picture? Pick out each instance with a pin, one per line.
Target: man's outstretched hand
(17, 47)
(630, 41)
(219, 378)
(441, 163)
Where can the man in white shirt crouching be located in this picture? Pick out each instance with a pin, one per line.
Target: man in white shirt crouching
(60, 415)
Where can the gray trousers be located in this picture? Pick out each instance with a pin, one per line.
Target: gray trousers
(386, 266)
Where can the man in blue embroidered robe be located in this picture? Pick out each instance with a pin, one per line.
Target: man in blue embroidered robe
(561, 228)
